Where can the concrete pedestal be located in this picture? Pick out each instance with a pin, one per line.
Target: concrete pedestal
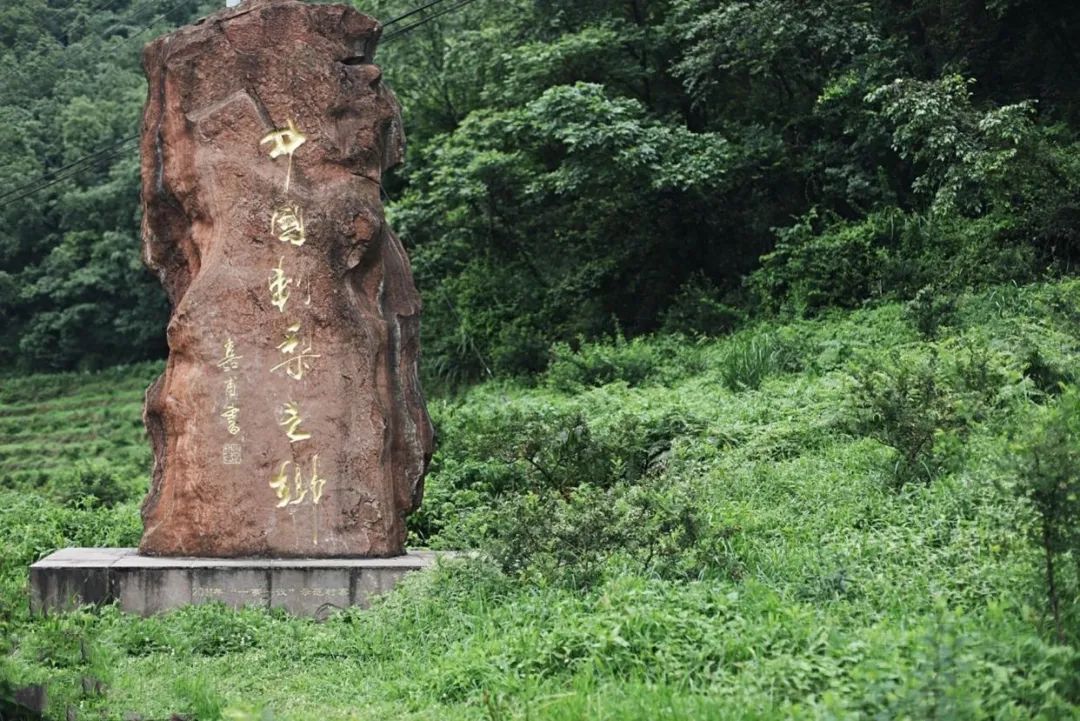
(150, 584)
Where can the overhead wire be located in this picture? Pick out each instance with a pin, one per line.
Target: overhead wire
(412, 12)
(56, 175)
(73, 168)
(53, 177)
(107, 5)
(48, 174)
(445, 11)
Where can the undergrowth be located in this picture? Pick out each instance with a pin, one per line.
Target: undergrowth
(847, 517)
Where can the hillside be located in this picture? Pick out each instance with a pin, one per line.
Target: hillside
(816, 519)
(595, 165)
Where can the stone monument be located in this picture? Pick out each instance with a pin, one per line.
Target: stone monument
(289, 420)
(289, 431)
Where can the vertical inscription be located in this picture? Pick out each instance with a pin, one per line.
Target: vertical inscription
(290, 418)
(229, 363)
(279, 286)
(285, 142)
(296, 480)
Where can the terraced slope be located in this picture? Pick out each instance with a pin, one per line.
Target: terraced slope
(815, 519)
(54, 426)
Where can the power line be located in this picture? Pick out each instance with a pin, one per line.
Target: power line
(108, 5)
(114, 151)
(151, 23)
(412, 12)
(401, 31)
(51, 173)
(108, 153)
(58, 175)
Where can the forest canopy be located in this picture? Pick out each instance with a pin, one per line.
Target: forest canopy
(584, 169)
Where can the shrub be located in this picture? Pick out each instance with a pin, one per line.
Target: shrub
(906, 407)
(597, 364)
(640, 361)
(1043, 371)
(930, 309)
(814, 268)
(654, 527)
(92, 479)
(698, 309)
(1047, 466)
(553, 490)
(822, 263)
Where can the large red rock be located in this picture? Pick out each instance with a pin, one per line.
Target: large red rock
(289, 420)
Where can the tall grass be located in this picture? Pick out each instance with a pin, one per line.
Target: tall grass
(670, 530)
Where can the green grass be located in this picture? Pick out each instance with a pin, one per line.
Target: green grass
(674, 529)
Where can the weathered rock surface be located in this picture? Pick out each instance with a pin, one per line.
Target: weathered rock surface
(289, 420)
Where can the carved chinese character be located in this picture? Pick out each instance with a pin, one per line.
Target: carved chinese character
(291, 420)
(279, 286)
(292, 339)
(285, 141)
(295, 493)
(299, 358)
(287, 224)
(230, 415)
(230, 361)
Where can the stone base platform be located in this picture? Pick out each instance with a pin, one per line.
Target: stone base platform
(151, 584)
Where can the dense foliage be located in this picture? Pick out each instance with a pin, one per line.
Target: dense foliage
(587, 168)
(752, 527)
(780, 411)
(580, 169)
(73, 291)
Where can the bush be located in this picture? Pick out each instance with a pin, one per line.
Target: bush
(95, 480)
(822, 263)
(698, 309)
(906, 407)
(597, 364)
(1047, 466)
(1047, 375)
(813, 268)
(558, 494)
(643, 360)
(930, 309)
(653, 527)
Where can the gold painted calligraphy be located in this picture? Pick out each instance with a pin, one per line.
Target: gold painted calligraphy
(230, 361)
(291, 420)
(297, 491)
(279, 286)
(230, 415)
(292, 340)
(285, 140)
(287, 224)
(299, 361)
